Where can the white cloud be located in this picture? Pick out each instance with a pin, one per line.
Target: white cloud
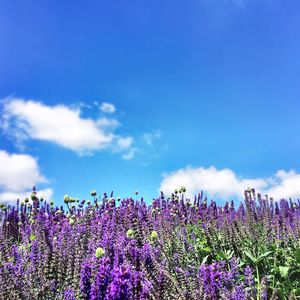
(18, 173)
(107, 108)
(285, 185)
(60, 124)
(149, 137)
(11, 197)
(130, 154)
(225, 183)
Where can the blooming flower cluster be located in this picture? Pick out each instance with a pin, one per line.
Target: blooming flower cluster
(172, 248)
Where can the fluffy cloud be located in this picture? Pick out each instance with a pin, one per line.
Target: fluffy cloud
(225, 183)
(107, 107)
(60, 124)
(18, 173)
(284, 185)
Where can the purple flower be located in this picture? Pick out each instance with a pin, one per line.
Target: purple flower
(211, 279)
(85, 279)
(239, 293)
(69, 294)
(248, 276)
(121, 286)
(99, 286)
(233, 269)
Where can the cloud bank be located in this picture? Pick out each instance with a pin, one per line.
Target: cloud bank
(225, 184)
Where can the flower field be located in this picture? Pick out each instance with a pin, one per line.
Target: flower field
(173, 248)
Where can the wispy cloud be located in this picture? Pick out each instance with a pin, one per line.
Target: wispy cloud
(225, 183)
(107, 107)
(130, 154)
(107, 123)
(124, 142)
(149, 137)
(60, 124)
(18, 173)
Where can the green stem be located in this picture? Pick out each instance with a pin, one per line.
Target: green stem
(258, 283)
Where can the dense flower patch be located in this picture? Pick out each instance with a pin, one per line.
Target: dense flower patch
(173, 248)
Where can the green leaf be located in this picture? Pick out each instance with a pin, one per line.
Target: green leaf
(297, 255)
(284, 271)
(204, 260)
(264, 255)
(297, 291)
(241, 263)
(221, 255)
(229, 254)
(249, 255)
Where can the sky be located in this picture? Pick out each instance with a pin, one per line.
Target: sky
(149, 95)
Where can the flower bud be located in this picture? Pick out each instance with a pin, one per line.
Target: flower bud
(4, 207)
(33, 196)
(130, 233)
(100, 252)
(32, 237)
(154, 235)
(93, 193)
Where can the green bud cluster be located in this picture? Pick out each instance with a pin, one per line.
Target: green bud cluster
(154, 235)
(68, 199)
(3, 206)
(100, 252)
(33, 196)
(32, 237)
(130, 233)
(93, 193)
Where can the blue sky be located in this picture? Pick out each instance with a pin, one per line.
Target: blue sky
(206, 93)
